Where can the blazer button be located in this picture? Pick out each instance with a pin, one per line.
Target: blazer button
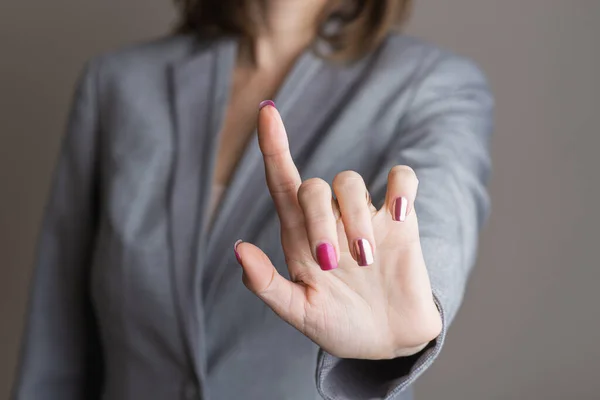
(190, 392)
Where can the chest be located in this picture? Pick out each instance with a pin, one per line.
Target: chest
(161, 151)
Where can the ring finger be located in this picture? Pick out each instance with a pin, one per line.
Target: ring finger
(356, 210)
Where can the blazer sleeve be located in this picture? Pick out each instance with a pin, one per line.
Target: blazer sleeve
(60, 352)
(445, 138)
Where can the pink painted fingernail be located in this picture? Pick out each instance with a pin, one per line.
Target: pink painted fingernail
(326, 257)
(266, 103)
(400, 207)
(364, 252)
(237, 255)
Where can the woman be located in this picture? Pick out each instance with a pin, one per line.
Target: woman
(137, 294)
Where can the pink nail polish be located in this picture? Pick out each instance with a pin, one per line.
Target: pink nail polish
(237, 255)
(266, 103)
(364, 252)
(326, 257)
(400, 207)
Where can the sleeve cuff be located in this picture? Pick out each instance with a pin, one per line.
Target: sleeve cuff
(352, 379)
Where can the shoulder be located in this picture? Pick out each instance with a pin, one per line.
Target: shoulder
(142, 60)
(132, 80)
(153, 53)
(422, 61)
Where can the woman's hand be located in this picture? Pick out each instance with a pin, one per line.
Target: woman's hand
(359, 287)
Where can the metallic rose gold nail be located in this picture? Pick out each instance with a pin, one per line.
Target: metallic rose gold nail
(266, 103)
(364, 252)
(237, 255)
(400, 207)
(326, 257)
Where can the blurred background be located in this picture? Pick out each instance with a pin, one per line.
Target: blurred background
(530, 325)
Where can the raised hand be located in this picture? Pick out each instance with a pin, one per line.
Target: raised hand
(359, 287)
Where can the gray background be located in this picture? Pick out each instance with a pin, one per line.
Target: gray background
(530, 325)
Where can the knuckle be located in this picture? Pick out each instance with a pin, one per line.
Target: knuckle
(282, 187)
(305, 276)
(318, 216)
(403, 172)
(314, 187)
(347, 179)
(355, 213)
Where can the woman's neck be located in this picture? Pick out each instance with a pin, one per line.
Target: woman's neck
(285, 29)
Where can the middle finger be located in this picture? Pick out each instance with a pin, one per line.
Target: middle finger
(314, 197)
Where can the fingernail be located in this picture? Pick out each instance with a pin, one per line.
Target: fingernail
(364, 252)
(266, 103)
(237, 255)
(326, 257)
(400, 206)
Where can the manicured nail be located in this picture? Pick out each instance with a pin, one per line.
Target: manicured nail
(364, 252)
(237, 255)
(266, 103)
(400, 206)
(326, 257)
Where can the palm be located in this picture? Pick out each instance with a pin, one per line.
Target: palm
(382, 310)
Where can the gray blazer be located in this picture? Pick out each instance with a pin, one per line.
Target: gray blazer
(136, 297)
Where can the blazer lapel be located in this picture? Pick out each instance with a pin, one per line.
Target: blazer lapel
(200, 90)
(246, 203)
(193, 88)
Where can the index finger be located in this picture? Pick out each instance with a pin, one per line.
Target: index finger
(283, 178)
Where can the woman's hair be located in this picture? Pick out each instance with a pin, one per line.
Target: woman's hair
(361, 24)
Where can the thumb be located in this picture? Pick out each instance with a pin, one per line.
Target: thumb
(287, 299)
